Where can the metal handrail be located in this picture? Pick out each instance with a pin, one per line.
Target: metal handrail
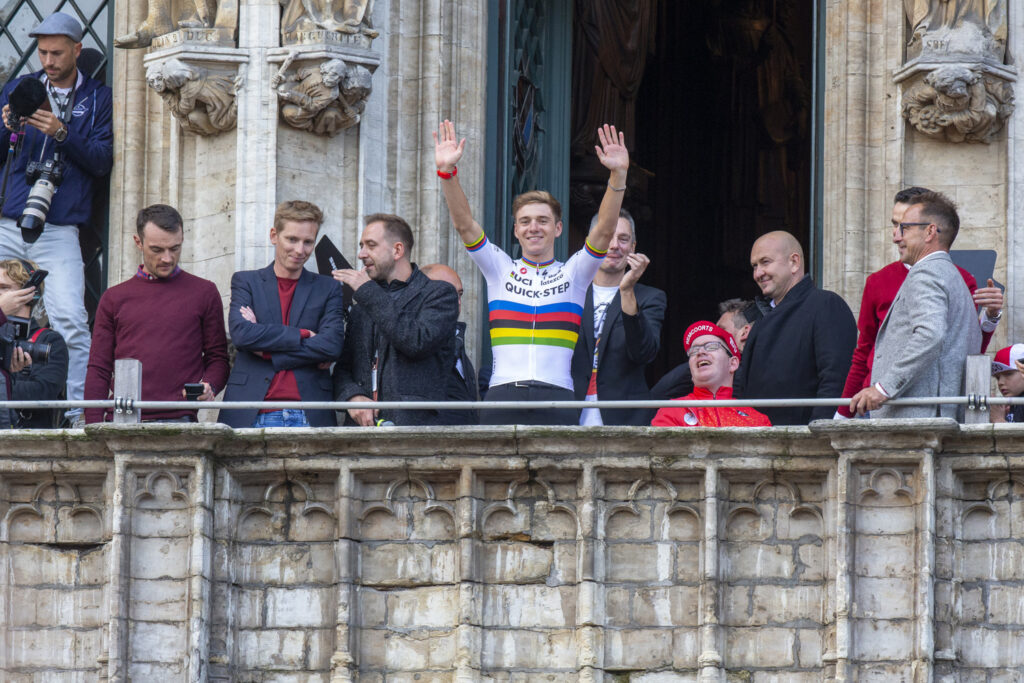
(975, 401)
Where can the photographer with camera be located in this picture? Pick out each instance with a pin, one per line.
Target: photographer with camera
(35, 358)
(57, 123)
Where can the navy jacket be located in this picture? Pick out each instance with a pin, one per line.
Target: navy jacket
(88, 154)
(628, 344)
(412, 326)
(316, 306)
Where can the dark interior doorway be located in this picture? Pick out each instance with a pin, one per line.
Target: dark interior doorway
(718, 122)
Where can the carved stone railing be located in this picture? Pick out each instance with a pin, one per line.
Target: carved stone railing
(846, 551)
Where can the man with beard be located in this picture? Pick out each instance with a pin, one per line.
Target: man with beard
(401, 329)
(621, 332)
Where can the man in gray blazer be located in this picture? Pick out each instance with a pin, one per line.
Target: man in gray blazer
(932, 327)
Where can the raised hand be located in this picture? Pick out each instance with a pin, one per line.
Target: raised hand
(447, 148)
(991, 297)
(637, 265)
(612, 152)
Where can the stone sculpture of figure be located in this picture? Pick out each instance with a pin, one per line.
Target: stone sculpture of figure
(204, 103)
(958, 103)
(166, 16)
(943, 16)
(323, 99)
(344, 16)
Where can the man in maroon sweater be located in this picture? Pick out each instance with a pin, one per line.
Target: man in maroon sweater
(879, 291)
(170, 320)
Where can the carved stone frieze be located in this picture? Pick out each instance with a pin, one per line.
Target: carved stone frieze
(957, 86)
(199, 87)
(170, 22)
(323, 88)
(344, 17)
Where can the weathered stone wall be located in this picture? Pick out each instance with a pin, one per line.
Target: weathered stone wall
(858, 551)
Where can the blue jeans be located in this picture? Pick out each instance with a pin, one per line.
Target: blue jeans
(57, 251)
(282, 418)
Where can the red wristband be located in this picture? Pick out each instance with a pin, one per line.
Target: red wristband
(448, 176)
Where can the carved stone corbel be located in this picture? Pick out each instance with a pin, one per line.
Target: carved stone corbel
(198, 86)
(957, 87)
(323, 87)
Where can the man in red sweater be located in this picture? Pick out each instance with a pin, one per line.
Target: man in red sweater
(714, 358)
(170, 320)
(879, 291)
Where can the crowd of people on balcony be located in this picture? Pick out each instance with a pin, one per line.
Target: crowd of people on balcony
(585, 329)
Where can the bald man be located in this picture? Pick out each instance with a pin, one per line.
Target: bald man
(803, 345)
(462, 382)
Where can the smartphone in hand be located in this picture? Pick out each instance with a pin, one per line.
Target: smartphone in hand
(193, 390)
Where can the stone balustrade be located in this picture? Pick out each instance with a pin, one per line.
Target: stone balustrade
(847, 551)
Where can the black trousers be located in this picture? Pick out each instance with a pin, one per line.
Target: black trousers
(529, 391)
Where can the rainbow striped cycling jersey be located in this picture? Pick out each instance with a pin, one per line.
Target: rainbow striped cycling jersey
(535, 311)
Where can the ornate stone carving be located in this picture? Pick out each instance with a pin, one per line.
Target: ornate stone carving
(958, 104)
(960, 25)
(960, 89)
(202, 100)
(323, 88)
(354, 17)
(323, 98)
(200, 21)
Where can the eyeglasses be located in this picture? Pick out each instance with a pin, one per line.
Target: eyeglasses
(710, 347)
(903, 226)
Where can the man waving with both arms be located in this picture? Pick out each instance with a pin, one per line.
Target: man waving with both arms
(535, 302)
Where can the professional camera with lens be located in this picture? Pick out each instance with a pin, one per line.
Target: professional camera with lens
(18, 338)
(44, 177)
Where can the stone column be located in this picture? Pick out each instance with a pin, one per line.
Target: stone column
(711, 655)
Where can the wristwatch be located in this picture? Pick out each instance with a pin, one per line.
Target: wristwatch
(61, 135)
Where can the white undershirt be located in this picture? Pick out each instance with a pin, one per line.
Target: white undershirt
(602, 300)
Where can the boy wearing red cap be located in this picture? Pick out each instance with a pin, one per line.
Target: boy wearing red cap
(1008, 369)
(714, 358)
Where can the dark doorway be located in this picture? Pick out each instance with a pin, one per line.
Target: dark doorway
(719, 126)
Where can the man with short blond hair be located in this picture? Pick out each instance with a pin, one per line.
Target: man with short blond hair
(288, 325)
(535, 302)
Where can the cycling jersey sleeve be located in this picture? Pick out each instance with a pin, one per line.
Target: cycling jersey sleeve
(582, 266)
(489, 258)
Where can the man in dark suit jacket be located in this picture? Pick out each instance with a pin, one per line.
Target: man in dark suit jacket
(462, 379)
(623, 320)
(401, 330)
(803, 345)
(288, 325)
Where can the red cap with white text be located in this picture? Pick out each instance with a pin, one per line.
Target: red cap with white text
(702, 327)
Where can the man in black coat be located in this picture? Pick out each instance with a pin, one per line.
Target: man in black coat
(803, 346)
(400, 341)
(462, 377)
(622, 321)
